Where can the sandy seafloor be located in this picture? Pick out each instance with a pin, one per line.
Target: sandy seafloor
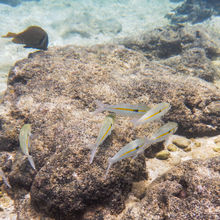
(81, 22)
(78, 22)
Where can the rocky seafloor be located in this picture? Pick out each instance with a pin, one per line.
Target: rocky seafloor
(56, 92)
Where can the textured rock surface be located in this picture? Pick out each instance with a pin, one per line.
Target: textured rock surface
(187, 50)
(195, 11)
(181, 142)
(56, 90)
(189, 191)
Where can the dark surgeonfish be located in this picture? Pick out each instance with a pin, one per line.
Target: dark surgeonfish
(32, 37)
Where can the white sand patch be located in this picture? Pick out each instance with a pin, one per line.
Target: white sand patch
(157, 167)
(82, 22)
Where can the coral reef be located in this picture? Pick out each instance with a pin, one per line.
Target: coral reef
(195, 11)
(187, 50)
(55, 91)
(188, 191)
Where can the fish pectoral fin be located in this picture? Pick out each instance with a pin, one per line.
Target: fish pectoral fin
(9, 35)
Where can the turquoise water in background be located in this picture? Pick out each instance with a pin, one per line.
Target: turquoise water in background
(78, 22)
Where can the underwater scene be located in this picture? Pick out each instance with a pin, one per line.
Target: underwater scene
(109, 109)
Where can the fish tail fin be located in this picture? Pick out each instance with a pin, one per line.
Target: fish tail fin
(5, 179)
(110, 162)
(9, 34)
(100, 107)
(6, 182)
(93, 152)
(135, 122)
(30, 158)
(147, 143)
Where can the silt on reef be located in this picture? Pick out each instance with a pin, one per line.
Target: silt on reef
(55, 91)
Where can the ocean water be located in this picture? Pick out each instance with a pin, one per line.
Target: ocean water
(77, 22)
(86, 23)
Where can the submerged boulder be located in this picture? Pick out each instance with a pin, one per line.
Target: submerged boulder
(56, 90)
(195, 11)
(189, 191)
(187, 50)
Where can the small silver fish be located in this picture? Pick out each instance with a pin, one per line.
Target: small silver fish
(105, 131)
(131, 149)
(122, 109)
(164, 132)
(24, 139)
(138, 146)
(4, 178)
(154, 113)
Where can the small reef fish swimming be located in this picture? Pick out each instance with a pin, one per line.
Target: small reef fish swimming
(32, 37)
(138, 146)
(154, 113)
(25, 142)
(105, 131)
(164, 132)
(122, 109)
(131, 149)
(4, 178)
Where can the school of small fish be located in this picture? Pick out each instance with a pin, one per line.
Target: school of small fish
(132, 149)
(146, 115)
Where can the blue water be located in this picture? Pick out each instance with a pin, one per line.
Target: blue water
(78, 22)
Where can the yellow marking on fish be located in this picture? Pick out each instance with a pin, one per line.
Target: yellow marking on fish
(164, 134)
(129, 109)
(155, 114)
(27, 143)
(132, 150)
(105, 133)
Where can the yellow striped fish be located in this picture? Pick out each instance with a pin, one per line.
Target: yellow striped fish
(105, 131)
(131, 149)
(154, 113)
(122, 109)
(138, 146)
(25, 142)
(164, 132)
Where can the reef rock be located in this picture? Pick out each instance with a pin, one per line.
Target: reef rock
(188, 191)
(195, 11)
(187, 50)
(56, 90)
